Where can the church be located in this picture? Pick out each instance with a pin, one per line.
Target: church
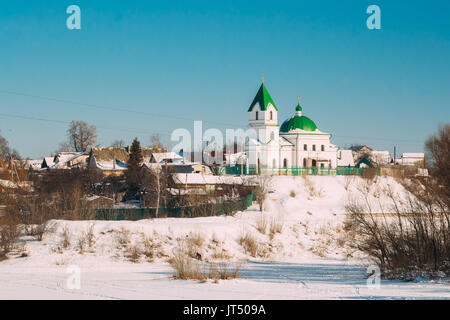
(297, 143)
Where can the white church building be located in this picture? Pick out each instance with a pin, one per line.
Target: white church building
(297, 143)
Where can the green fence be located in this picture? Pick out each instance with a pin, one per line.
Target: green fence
(202, 210)
(298, 171)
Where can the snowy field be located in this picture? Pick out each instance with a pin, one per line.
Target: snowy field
(307, 259)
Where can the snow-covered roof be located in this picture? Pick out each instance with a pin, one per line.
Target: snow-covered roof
(235, 158)
(345, 158)
(48, 161)
(413, 155)
(110, 165)
(162, 157)
(63, 159)
(204, 179)
(33, 164)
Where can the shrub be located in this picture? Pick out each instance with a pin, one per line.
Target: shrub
(149, 249)
(411, 238)
(66, 237)
(133, 253)
(249, 243)
(262, 223)
(276, 226)
(90, 238)
(186, 268)
(9, 233)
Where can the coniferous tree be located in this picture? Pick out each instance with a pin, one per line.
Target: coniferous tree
(134, 165)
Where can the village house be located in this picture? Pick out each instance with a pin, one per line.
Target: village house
(411, 159)
(112, 161)
(174, 163)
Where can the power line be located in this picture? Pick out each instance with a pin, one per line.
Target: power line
(123, 109)
(17, 116)
(118, 109)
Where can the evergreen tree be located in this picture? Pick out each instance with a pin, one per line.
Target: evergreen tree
(134, 165)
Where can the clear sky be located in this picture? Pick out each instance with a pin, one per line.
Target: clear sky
(171, 62)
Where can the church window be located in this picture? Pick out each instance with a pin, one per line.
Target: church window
(271, 115)
(305, 147)
(257, 115)
(285, 163)
(314, 147)
(322, 148)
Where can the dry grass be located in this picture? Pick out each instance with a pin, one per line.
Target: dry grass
(149, 248)
(123, 237)
(81, 245)
(9, 233)
(249, 243)
(276, 226)
(66, 238)
(38, 231)
(194, 243)
(311, 188)
(133, 253)
(186, 268)
(196, 238)
(262, 223)
(89, 236)
(220, 254)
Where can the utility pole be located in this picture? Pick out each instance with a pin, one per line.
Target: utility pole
(394, 154)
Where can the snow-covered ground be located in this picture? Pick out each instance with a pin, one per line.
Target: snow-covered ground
(308, 259)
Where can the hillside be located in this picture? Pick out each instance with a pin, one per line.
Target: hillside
(306, 243)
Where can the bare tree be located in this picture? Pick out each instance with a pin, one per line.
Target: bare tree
(81, 135)
(64, 146)
(118, 143)
(6, 153)
(155, 182)
(155, 141)
(437, 147)
(261, 190)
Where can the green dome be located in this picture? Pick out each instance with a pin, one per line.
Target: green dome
(299, 108)
(298, 122)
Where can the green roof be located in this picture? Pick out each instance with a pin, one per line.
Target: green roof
(298, 122)
(263, 98)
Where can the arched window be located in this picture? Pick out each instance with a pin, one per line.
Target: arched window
(285, 163)
(305, 147)
(256, 115)
(271, 115)
(314, 147)
(314, 163)
(322, 148)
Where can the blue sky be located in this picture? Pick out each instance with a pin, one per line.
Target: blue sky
(171, 62)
